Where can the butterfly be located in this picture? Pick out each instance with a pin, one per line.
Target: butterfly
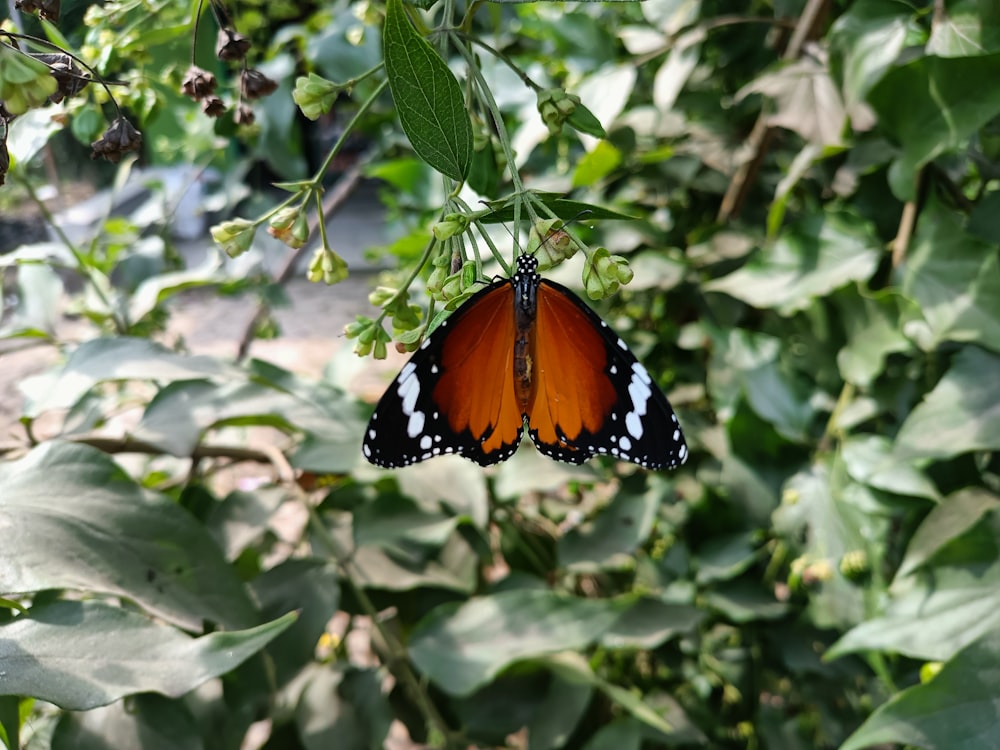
(524, 351)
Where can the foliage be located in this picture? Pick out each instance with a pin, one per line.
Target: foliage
(806, 208)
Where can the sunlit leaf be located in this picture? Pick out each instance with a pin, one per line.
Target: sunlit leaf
(144, 722)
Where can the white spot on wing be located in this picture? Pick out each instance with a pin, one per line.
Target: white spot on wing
(625, 444)
(425, 442)
(416, 424)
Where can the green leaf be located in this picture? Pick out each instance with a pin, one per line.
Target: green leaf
(502, 210)
(596, 164)
(961, 414)
(609, 540)
(343, 707)
(869, 459)
(958, 709)
(121, 358)
(935, 616)
(955, 279)
(649, 623)
(558, 712)
(873, 325)
(867, 39)
(964, 29)
(810, 259)
(955, 515)
(144, 722)
(463, 646)
(74, 519)
(29, 132)
(427, 96)
(931, 105)
(80, 655)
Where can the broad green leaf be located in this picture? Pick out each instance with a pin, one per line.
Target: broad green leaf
(558, 713)
(121, 358)
(10, 721)
(428, 98)
(621, 734)
(242, 518)
(459, 486)
(955, 279)
(931, 105)
(454, 569)
(649, 623)
(961, 414)
(810, 259)
(80, 655)
(162, 286)
(955, 515)
(958, 709)
(933, 616)
(743, 603)
(671, 77)
(39, 291)
(866, 40)
(28, 133)
(869, 459)
(143, 722)
(873, 325)
(966, 28)
(724, 558)
(609, 540)
(463, 646)
(395, 523)
(596, 164)
(74, 519)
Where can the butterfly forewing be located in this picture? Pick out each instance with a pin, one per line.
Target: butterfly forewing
(593, 396)
(455, 395)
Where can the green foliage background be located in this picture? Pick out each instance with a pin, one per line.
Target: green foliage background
(817, 286)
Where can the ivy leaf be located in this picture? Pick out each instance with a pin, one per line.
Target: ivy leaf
(966, 28)
(955, 279)
(427, 96)
(961, 414)
(931, 105)
(461, 647)
(810, 259)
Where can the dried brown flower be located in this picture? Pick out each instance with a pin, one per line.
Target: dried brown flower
(213, 106)
(120, 138)
(254, 84)
(231, 45)
(47, 9)
(198, 83)
(244, 115)
(70, 79)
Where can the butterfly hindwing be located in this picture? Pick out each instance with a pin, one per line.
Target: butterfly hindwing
(593, 396)
(455, 395)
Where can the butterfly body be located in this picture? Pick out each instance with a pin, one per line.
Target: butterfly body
(524, 352)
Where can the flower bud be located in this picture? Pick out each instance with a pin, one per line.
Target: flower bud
(314, 95)
(326, 266)
(604, 273)
(550, 244)
(234, 236)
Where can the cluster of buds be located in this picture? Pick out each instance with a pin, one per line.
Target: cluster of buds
(234, 236)
(558, 107)
(453, 280)
(604, 273)
(290, 225)
(370, 335)
(47, 9)
(200, 84)
(326, 266)
(120, 138)
(314, 95)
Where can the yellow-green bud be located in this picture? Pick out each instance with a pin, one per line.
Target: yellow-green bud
(326, 266)
(234, 236)
(314, 95)
(604, 273)
(381, 294)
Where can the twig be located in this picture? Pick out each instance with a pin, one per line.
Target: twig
(761, 134)
(345, 186)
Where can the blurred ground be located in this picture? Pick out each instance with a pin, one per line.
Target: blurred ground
(311, 326)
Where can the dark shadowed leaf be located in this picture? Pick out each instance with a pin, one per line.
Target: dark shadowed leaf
(651, 622)
(609, 540)
(428, 98)
(933, 104)
(343, 708)
(958, 709)
(80, 655)
(463, 646)
(74, 519)
(142, 722)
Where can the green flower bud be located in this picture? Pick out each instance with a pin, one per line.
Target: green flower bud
(550, 244)
(555, 106)
(604, 273)
(380, 295)
(234, 236)
(355, 329)
(282, 225)
(314, 95)
(326, 266)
